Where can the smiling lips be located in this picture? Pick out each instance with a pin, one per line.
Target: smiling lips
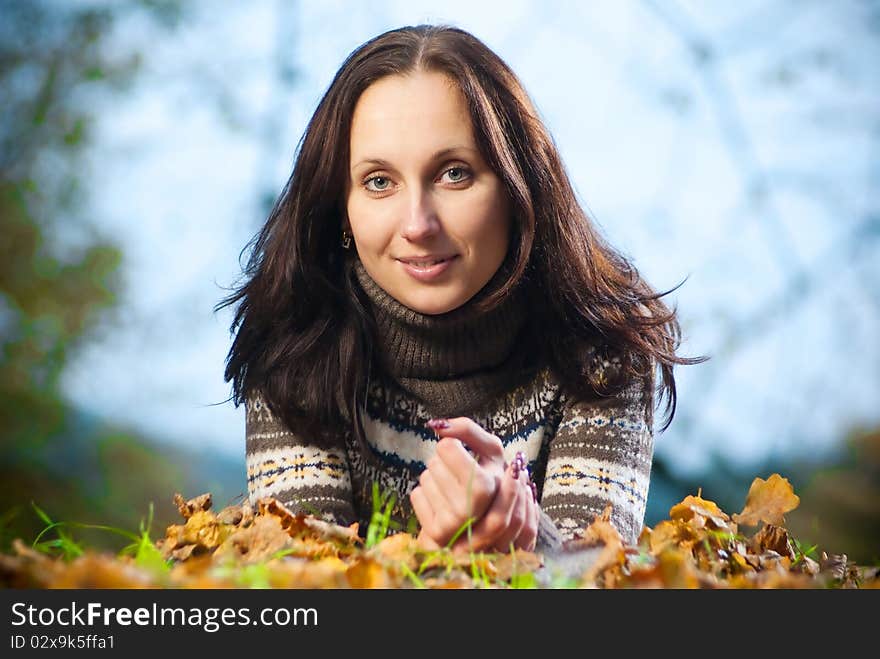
(426, 268)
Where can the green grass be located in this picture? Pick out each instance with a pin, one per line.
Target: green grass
(524, 581)
(412, 576)
(254, 576)
(380, 521)
(140, 547)
(803, 551)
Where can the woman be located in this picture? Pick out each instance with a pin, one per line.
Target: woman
(428, 309)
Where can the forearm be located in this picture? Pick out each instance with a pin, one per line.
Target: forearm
(306, 478)
(601, 455)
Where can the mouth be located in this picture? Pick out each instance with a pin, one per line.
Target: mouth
(427, 264)
(428, 269)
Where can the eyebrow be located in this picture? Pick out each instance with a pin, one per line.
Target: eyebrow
(436, 156)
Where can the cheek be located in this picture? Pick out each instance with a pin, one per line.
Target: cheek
(368, 223)
(490, 220)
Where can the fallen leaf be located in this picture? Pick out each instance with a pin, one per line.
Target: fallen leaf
(673, 568)
(93, 570)
(768, 501)
(600, 533)
(774, 538)
(258, 542)
(329, 531)
(517, 562)
(368, 573)
(194, 505)
(202, 528)
(398, 547)
(698, 511)
(291, 572)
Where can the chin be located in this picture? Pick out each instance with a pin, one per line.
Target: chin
(431, 306)
(434, 309)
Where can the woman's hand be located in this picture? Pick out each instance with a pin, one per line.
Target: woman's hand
(512, 519)
(455, 487)
(498, 498)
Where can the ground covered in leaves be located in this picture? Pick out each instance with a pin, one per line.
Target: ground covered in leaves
(699, 546)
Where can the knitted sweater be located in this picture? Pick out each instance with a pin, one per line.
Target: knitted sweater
(582, 455)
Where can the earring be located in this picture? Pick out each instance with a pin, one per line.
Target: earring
(346, 239)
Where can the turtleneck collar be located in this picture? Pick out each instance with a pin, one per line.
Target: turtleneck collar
(454, 361)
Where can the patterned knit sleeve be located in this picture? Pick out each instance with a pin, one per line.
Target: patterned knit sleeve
(601, 454)
(303, 476)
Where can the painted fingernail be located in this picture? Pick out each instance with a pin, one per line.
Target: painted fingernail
(438, 424)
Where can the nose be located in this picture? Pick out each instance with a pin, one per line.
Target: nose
(421, 219)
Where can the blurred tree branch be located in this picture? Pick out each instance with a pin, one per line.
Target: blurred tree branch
(58, 276)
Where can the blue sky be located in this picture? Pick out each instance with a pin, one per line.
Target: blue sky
(732, 145)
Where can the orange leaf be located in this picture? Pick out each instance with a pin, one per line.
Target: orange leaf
(189, 508)
(767, 501)
(699, 510)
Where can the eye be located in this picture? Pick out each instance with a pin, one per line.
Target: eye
(380, 183)
(458, 173)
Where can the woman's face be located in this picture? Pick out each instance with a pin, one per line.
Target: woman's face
(420, 191)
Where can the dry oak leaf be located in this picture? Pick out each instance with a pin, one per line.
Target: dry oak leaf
(456, 580)
(92, 570)
(258, 542)
(291, 572)
(28, 568)
(450, 560)
(369, 573)
(190, 569)
(600, 532)
(236, 515)
(194, 505)
(398, 547)
(768, 501)
(202, 528)
(297, 524)
(698, 511)
(774, 538)
(311, 547)
(669, 533)
(672, 568)
(519, 561)
(330, 531)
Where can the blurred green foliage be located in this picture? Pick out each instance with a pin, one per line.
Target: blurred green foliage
(839, 510)
(59, 278)
(840, 502)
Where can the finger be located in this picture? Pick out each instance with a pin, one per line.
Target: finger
(471, 434)
(422, 507)
(450, 487)
(426, 542)
(476, 482)
(518, 516)
(497, 518)
(454, 455)
(445, 521)
(528, 535)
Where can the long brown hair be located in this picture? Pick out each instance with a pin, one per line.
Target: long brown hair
(303, 329)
